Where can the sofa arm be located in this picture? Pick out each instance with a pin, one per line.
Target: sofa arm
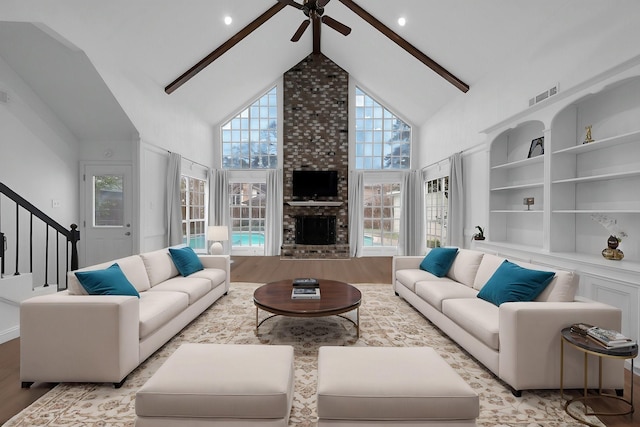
(530, 344)
(405, 262)
(78, 338)
(222, 262)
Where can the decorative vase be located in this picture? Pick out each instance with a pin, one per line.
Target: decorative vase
(612, 251)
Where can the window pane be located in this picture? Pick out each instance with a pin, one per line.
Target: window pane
(108, 201)
(192, 195)
(376, 125)
(436, 205)
(258, 122)
(247, 203)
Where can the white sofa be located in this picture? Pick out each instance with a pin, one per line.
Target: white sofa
(518, 341)
(71, 336)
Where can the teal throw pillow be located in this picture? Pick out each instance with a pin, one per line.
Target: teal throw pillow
(110, 281)
(186, 260)
(438, 261)
(512, 283)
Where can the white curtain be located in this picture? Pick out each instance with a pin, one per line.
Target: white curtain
(411, 239)
(174, 211)
(356, 212)
(219, 202)
(455, 221)
(273, 215)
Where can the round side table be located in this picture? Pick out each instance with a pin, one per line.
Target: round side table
(587, 346)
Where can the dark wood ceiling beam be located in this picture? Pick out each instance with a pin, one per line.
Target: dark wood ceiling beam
(189, 74)
(440, 70)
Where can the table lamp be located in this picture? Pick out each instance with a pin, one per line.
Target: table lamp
(217, 234)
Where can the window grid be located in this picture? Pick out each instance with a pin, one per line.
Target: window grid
(247, 202)
(381, 214)
(250, 139)
(436, 208)
(383, 141)
(192, 196)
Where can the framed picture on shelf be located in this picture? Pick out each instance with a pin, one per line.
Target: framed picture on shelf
(537, 147)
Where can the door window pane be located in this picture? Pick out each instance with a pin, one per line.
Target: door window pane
(381, 214)
(108, 201)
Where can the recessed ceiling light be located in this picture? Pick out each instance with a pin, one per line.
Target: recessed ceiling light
(228, 20)
(402, 21)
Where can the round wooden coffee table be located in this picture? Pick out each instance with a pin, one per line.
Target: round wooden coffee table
(336, 298)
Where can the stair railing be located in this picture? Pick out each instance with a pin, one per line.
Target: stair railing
(72, 236)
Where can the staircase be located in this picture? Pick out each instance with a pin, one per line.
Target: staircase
(14, 290)
(34, 251)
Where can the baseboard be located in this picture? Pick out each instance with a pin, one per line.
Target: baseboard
(9, 334)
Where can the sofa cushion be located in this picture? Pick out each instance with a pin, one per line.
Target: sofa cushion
(186, 260)
(217, 276)
(465, 266)
(478, 317)
(408, 277)
(159, 308)
(159, 266)
(132, 267)
(110, 281)
(436, 292)
(488, 265)
(562, 288)
(195, 287)
(511, 283)
(439, 260)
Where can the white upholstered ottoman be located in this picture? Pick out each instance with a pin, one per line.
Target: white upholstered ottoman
(389, 386)
(219, 385)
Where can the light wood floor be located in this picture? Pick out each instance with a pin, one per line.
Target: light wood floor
(257, 269)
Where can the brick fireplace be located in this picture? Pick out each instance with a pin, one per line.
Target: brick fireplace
(315, 129)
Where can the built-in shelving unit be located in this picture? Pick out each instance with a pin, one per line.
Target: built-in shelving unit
(576, 183)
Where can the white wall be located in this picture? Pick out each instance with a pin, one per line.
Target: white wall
(39, 161)
(459, 125)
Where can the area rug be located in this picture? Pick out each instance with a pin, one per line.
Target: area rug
(386, 320)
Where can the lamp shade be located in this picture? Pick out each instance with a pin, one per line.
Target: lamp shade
(218, 233)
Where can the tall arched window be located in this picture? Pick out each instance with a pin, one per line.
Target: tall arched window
(383, 141)
(250, 139)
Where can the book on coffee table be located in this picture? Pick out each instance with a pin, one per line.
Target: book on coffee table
(305, 293)
(306, 282)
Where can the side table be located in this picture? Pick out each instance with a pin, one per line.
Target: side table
(587, 346)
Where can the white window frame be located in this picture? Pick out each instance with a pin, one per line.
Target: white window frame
(352, 128)
(382, 177)
(192, 170)
(246, 176)
(439, 170)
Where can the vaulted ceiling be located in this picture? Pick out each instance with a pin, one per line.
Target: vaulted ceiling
(149, 43)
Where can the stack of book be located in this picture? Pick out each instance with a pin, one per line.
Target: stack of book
(605, 337)
(305, 288)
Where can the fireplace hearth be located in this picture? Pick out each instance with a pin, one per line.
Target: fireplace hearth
(316, 230)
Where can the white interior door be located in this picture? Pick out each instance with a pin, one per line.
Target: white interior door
(107, 232)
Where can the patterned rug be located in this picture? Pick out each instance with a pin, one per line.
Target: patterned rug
(386, 320)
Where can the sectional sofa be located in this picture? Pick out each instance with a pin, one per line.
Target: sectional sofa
(71, 336)
(518, 341)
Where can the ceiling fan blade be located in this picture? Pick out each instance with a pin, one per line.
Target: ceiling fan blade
(338, 26)
(191, 72)
(300, 30)
(439, 69)
(322, 3)
(291, 3)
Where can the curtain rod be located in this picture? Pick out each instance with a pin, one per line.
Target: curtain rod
(183, 158)
(473, 147)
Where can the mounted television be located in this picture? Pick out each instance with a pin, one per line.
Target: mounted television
(312, 183)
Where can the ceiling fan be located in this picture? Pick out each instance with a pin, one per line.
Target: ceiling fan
(314, 11)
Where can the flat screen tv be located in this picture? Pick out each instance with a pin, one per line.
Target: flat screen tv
(309, 184)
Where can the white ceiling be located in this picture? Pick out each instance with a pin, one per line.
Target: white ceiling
(152, 42)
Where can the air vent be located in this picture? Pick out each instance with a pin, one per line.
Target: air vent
(544, 95)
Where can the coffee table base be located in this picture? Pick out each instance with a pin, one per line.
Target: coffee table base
(356, 322)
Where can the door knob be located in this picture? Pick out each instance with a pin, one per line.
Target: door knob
(128, 233)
